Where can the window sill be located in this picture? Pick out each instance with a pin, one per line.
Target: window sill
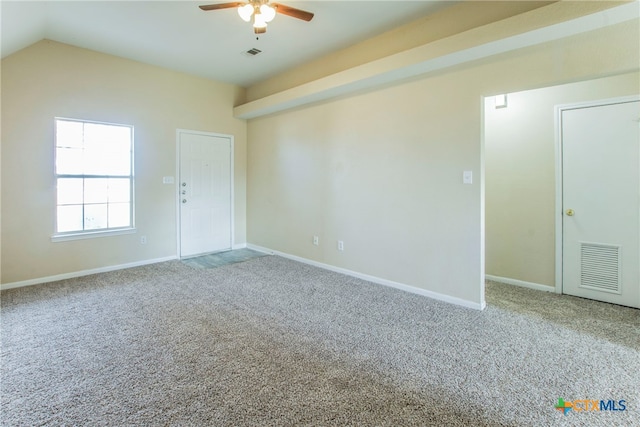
(91, 234)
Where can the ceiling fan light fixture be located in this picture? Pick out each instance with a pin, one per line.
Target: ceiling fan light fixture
(267, 12)
(261, 11)
(245, 12)
(258, 21)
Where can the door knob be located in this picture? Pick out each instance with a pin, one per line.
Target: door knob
(184, 184)
(184, 200)
(569, 212)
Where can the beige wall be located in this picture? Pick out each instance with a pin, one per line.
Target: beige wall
(520, 155)
(50, 79)
(383, 170)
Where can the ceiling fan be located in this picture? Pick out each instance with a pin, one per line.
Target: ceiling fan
(262, 12)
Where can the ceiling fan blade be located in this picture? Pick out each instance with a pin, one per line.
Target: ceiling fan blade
(292, 11)
(222, 5)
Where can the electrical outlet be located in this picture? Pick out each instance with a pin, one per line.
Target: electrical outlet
(143, 240)
(340, 245)
(316, 240)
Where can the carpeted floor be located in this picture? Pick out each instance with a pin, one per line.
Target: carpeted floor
(273, 342)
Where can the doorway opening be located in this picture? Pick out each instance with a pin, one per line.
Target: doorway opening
(521, 208)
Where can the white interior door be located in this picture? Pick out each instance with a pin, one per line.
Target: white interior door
(601, 202)
(204, 193)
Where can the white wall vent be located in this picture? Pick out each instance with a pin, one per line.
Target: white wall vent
(253, 52)
(600, 267)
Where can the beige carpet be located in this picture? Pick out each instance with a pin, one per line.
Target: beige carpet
(273, 342)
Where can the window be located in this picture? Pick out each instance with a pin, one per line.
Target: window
(94, 178)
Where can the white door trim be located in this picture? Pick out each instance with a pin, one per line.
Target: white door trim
(559, 184)
(179, 132)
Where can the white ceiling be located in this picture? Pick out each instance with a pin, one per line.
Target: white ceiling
(179, 36)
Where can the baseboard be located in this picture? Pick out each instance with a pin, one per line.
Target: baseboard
(521, 283)
(81, 273)
(239, 246)
(373, 279)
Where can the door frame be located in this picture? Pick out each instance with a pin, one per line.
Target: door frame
(179, 133)
(559, 216)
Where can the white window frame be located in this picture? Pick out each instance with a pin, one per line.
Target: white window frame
(93, 233)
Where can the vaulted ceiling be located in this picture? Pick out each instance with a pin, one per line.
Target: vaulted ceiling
(180, 36)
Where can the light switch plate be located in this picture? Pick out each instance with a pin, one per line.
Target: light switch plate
(168, 180)
(467, 177)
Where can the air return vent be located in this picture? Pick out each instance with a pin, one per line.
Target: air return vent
(600, 267)
(253, 52)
